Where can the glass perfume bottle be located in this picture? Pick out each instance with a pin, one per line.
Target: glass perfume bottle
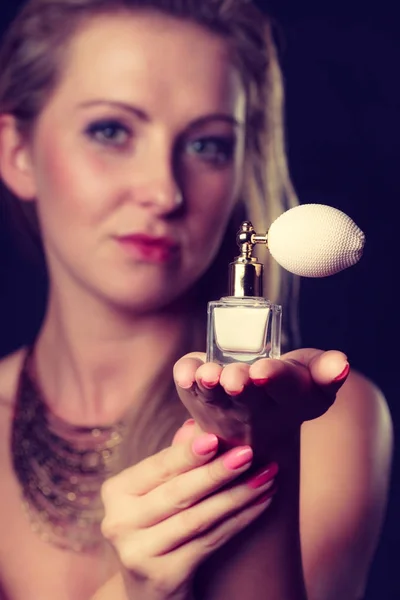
(244, 326)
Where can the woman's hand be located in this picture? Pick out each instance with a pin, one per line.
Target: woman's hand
(165, 515)
(261, 403)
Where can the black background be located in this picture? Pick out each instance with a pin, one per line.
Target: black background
(341, 69)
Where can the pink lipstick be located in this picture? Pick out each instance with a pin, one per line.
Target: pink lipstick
(149, 248)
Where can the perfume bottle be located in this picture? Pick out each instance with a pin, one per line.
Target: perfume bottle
(244, 326)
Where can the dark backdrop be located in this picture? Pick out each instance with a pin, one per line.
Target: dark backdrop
(341, 65)
(341, 72)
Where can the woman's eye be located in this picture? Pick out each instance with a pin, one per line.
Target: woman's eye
(109, 133)
(217, 150)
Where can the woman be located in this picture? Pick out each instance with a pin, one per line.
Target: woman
(139, 132)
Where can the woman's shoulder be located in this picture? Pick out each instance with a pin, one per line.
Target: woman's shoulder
(355, 434)
(345, 470)
(10, 368)
(359, 404)
(362, 403)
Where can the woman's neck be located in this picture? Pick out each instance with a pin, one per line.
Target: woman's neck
(93, 362)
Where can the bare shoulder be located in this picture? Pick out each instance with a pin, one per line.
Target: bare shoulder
(361, 401)
(359, 421)
(345, 477)
(10, 367)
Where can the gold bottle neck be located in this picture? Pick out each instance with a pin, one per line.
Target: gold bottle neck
(246, 279)
(246, 272)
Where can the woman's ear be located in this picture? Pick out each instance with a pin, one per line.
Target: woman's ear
(15, 160)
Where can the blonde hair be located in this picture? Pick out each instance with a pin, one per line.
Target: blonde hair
(31, 64)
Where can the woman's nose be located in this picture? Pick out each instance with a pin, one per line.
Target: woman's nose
(157, 187)
(161, 197)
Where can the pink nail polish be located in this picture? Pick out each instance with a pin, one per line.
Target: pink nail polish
(265, 498)
(343, 374)
(263, 476)
(205, 444)
(238, 457)
(260, 382)
(209, 385)
(235, 392)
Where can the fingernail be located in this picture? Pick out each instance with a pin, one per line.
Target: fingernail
(265, 498)
(205, 444)
(209, 385)
(189, 422)
(343, 374)
(238, 457)
(260, 382)
(263, 476)
(185, 385)
(235, 392)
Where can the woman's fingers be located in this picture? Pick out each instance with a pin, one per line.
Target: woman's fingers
(209, 382)
(191, 487)
(196, 379)
(185, 369)
(163, 466)
(306, 381)
(196, 530)
(234, 378)
(208, 376)
(186, 432)
(145, 552)
(166, 514)
(201, 507)
(328, 369)
(190, 555)
(192, 370)
(199, 518)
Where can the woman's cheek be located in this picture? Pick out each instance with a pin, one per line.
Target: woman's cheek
(214, 194)
(71, 188)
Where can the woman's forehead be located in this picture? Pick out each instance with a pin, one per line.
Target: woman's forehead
(152, 57)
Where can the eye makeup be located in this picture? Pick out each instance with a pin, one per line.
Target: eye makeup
(216, 149)
(110, 132)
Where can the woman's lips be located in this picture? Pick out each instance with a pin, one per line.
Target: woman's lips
(148, 248)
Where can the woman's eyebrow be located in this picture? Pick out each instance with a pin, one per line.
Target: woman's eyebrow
(226, 118)
(135, 110)
(143, 116)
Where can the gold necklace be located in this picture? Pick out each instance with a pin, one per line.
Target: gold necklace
(61, 468)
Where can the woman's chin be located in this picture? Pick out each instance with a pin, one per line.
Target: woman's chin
(147, 290)
(142, 300)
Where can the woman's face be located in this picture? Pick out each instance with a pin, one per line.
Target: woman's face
(137, 158)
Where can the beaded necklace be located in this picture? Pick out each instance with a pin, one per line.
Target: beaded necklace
(61, 468)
